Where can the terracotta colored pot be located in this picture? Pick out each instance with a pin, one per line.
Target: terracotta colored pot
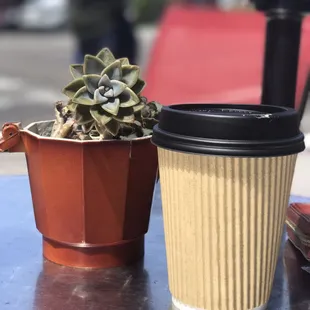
(91, 199)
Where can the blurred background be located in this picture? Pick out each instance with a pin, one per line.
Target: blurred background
(40, 38)
(189, 51)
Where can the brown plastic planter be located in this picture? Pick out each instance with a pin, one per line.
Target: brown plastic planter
(91, 199)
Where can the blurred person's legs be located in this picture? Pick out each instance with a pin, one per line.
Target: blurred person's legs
(125, 44)
(107, 27)
(93, 45)
(121, 42)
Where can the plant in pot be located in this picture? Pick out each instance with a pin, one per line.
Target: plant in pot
(92, 170)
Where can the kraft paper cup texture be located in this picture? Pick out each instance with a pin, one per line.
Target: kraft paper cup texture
(223, 221)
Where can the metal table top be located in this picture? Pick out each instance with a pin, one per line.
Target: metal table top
(28, 282)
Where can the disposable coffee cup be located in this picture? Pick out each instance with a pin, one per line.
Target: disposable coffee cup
(226, 174)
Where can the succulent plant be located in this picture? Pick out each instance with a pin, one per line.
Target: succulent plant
(105, 100)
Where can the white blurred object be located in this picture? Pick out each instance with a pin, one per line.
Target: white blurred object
(232, 4)
(39, 14)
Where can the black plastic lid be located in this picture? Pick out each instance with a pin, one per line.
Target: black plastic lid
(229, 130)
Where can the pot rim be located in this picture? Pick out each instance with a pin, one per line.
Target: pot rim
(26, 129)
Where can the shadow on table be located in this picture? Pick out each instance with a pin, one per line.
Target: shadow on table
(298, 276)
(61, 287)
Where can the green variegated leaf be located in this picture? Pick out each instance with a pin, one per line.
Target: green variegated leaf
(105, 81)
(72, 106)
(138, 87)
(100, 116)
(130, 75)
(109, 93)
(106, 56)
(99, 98)
(72, 88)
(113, 127)
(82, 114)
(111, 106)
(87, 127)
(91, 81)
(128, 98)
(92, 65)
(125, 115)
(118, 87)
(124, 61)
(102, 130)
(83, 97)
(76, 71)
(126, 119)
(138, 107)
(113, 71)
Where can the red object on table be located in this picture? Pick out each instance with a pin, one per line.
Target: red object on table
(298, 227)
(204, 55)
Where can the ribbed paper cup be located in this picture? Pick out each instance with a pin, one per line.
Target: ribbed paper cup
(223, 218)
(223, 221)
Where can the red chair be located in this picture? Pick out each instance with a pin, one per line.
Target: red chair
(203, 55)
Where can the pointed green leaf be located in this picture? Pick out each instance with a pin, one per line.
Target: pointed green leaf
(72, 88)
(128, 98)
(102, 131)
(72, 106)
(109, 93)
(87, 127)
(83, 97)
(106, 56)
(138, 107)
(99, 98)
(124, 61)
(130, 75)
(100, 128)
(112, 106)
(118, 87)
(100, 115)
(92, 65)
(113, 71)
(139, 86)
(76, 71)
(102, 90)
(105, 81)
(82, 114)
(113, 127)
(91, 81)
(125, 115)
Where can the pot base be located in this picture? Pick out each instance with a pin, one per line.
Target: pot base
(94, 257)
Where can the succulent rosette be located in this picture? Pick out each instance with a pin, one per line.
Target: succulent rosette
(105, 101)
(105, 92)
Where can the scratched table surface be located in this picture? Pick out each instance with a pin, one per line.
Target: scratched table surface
(28, 282)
